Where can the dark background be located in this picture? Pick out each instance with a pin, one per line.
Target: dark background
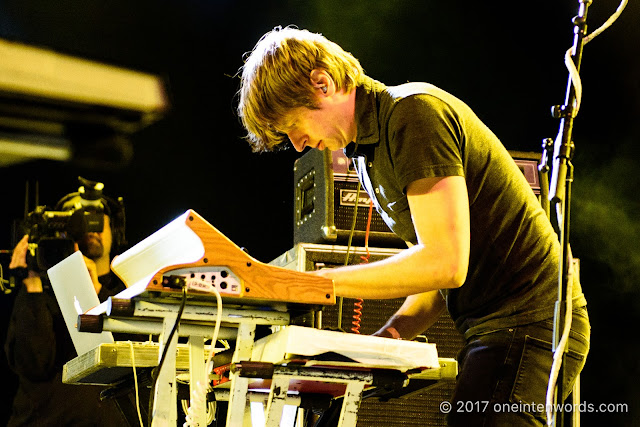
(505, 59)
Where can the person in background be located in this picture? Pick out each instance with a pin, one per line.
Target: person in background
(481, 246)
(38, 342)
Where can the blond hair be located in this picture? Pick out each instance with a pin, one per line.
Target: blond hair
(276, 78)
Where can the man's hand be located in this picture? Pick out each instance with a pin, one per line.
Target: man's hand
(19, 256)
(417, 314)
(32, 282)
(387, 332)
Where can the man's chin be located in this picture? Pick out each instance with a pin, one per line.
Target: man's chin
(92, 251)
(337, 145)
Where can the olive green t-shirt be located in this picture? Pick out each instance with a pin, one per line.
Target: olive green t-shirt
(417, 130)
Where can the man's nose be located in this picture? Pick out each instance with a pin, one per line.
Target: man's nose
(298, 141)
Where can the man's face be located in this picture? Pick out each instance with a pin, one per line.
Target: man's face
(95, 245)
(326, 127)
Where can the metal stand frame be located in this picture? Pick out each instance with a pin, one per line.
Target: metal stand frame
(146, 316)
(560, 191)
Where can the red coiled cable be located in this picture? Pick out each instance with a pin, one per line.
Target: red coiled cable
(359, 303)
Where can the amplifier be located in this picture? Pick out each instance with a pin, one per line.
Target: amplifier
(327, 192)
(421, 408)
(528, 164)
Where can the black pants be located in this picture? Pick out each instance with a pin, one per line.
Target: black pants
(503, 374)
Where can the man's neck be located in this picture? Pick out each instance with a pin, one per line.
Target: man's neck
(103, 265)
(352, 114)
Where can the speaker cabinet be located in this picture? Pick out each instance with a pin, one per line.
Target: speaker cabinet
(416, 409)
(326, 192)
(528, 163)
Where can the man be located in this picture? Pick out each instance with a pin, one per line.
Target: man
(38, 343)
(481, 245)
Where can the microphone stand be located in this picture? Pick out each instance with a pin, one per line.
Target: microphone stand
(560, 192)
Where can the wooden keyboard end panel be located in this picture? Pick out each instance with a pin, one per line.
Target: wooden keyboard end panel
(260, 281)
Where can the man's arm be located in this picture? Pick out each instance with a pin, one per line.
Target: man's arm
(440, 214)
(31, 340)
(417, 314)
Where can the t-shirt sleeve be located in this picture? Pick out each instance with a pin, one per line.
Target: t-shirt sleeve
(425, 139)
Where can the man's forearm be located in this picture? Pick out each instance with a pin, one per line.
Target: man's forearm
(413, 271)
(416, 315)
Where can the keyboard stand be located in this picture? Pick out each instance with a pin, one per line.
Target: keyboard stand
(146, 316)
(110, 363)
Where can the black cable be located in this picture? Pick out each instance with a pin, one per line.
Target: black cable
(156, 371)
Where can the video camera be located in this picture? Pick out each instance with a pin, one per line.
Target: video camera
(52, 233)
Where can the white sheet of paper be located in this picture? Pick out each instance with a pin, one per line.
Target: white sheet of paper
(74, 291)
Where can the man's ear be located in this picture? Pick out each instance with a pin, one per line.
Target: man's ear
(321, 80)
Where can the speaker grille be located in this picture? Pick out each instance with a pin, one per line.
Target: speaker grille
(343, 212)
